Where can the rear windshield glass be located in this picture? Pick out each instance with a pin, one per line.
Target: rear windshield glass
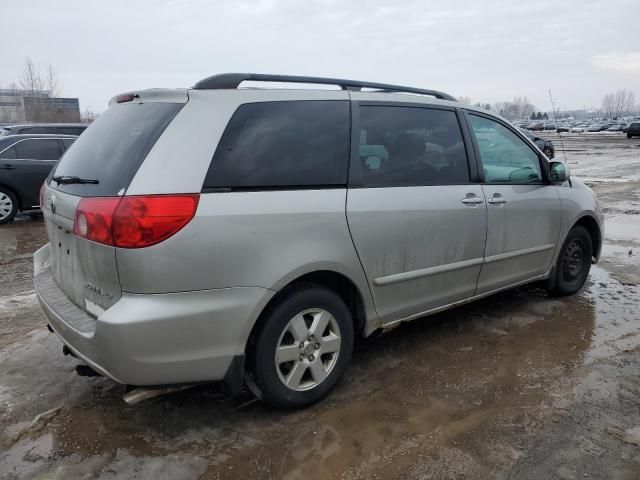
(112, 149)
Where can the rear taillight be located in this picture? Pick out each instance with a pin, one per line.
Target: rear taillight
(135, 221)
(42, 196)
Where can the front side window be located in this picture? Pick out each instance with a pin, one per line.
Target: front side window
(409, 146)
(38, 149)
(505, 157)
(283, 144)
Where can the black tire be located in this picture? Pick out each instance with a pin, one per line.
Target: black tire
(268, 380)
(547, 152)
(574, 263)
(7, 199)
(629, 135)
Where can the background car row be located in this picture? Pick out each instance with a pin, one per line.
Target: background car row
(27, 155)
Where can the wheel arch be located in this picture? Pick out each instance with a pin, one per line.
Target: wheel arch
(338, 282)
(593, 227)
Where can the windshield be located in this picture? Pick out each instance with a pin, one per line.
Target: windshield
(112, 149)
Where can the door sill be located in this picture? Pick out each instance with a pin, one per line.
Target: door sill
(395, 323)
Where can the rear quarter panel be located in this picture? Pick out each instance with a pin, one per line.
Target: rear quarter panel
(250, 239)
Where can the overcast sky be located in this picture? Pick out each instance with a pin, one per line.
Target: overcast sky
(487, 50)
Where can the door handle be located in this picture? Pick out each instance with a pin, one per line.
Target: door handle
(472, 200)
(7, 166)
(497, 200)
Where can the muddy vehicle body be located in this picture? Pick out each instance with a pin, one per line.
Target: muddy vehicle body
(249, 235)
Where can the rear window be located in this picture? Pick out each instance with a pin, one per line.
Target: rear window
(283, 145)
(114, 147)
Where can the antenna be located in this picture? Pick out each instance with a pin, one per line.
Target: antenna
(555, 118)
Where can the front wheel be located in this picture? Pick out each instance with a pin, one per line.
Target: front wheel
(302, 349)
(8, 206)
(574, 262)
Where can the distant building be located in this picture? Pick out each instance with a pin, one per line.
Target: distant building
(22, 106)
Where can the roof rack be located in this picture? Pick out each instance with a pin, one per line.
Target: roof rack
(233, 80)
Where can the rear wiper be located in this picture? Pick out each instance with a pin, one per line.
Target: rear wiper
(69, 179)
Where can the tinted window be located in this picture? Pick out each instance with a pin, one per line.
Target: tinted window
(283, 144)
(9, 153)
(112, 150)
(68, 142)
(404, 146)
(505, 157)
(38, 149)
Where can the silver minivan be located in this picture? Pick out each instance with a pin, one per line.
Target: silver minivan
(250, 235)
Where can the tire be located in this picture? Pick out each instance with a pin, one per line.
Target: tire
(290, 327)
(547, 152)
(574, 263)
(629, 136)
(8, 205)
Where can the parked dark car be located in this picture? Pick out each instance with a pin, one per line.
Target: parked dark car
(40, 128)
(634, 130)
(545, 145)
(25, 162)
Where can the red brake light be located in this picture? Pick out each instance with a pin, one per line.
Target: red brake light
(135, 221)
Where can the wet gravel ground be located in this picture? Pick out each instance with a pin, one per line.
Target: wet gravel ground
(516, 386)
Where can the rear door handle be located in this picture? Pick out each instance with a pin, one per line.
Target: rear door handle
(472, 200)
(7, 166)
(496, 200)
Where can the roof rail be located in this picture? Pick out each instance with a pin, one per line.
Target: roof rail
(233, 80)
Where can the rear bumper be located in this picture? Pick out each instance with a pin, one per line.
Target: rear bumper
(155, 339)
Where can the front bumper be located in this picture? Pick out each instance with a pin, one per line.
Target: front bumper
(154, 339)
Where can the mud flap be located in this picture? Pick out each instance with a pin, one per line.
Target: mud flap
(234, 378)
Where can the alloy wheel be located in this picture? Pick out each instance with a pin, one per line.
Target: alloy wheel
(6, 206)
(308, 349)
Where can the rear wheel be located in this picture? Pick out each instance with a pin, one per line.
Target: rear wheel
(8, 205)
(302, 349)
(574, 262)
(547, 152)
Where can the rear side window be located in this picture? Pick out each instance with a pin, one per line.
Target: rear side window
(410, 146)
(38, 149)
(283, 144)
(112, 150)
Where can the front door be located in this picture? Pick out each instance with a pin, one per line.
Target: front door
(417, 221)
(523, 209)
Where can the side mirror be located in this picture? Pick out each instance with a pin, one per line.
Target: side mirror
(559, 172)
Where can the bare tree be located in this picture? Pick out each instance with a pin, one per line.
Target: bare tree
(89, 115)
(618, 103)
(518, 108)
(51, 82)
(30, 78)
